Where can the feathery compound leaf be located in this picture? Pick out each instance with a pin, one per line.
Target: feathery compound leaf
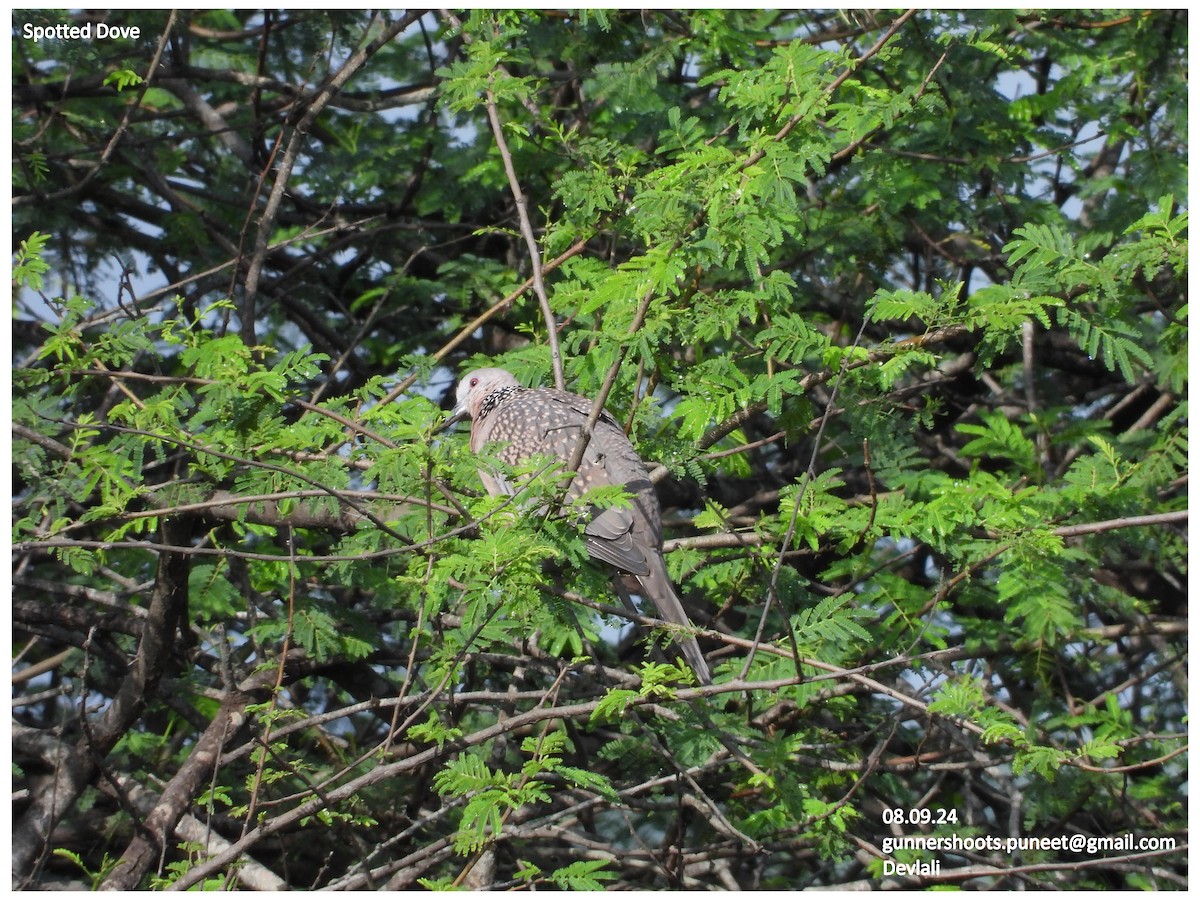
(1111, 342)
(583, 875)
(999, 438)
(830, 627)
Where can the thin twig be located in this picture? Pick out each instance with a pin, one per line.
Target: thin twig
(266, 223)
(535, 256)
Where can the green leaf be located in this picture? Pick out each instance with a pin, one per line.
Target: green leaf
(583, 875)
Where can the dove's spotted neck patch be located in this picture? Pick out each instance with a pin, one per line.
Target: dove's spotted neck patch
(495, 398)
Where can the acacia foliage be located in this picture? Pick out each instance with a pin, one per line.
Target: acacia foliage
(893, 303)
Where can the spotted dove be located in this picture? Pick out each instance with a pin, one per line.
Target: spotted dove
(549, 422)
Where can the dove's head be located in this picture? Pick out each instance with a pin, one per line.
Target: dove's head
(473, 391)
